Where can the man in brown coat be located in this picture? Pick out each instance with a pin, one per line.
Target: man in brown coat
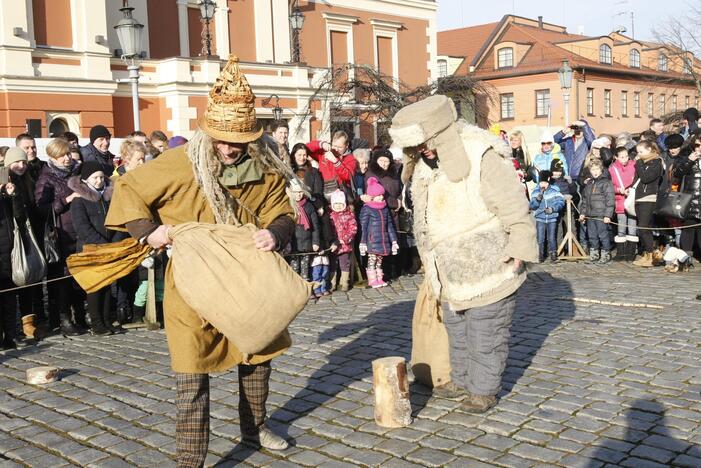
(223, 175)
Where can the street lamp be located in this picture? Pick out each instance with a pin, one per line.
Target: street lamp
(296, 22)
(129, 32)
(565, 75)
(277, 110)
(207, 9)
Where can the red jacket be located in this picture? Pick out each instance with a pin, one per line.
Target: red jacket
(346, 229)
(342, 171)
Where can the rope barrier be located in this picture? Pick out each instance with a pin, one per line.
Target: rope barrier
(638, 227)
(36, 284)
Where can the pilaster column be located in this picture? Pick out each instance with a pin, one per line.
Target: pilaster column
(184, 28)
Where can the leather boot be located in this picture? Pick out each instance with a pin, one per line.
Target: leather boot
(644, 261)
(632, 247)
(29, 327)
(139, 314)
(67, 327)
(107, 321)
(479, 403)
(344, 281)
(621, 249)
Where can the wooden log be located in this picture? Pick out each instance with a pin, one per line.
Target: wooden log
(391, 388)
(42, 375)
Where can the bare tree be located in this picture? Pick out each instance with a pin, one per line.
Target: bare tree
(362, 92)
(680, 37)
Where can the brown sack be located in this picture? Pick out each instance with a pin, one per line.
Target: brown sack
(248, 295)
(430, 358)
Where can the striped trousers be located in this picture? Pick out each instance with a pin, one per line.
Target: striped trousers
(192, 404)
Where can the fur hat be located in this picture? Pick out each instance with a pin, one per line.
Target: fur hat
(374, 187)
(88, 168)
(674, 140)
(556, 166)
(231, 107)
(13, 155)
(433, 121)
(338, 197)
(547, 137)
(600, 142)
(99, 131)
(544, 176)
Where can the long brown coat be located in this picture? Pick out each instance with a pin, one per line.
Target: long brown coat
(165, 191)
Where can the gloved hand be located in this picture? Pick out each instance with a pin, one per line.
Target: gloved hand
(148, 262)
(363, 249)
(395, 248)
(548, 210)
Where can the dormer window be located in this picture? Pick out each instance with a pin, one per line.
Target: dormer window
(442, 68)
(505, 57)
(634, 58)
(662, 62)
(605, 54)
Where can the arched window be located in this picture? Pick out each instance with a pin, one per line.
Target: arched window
(634, 58)
(605, 54)
(505, 57)
(662, 62)
(58, 127)
(442, 68)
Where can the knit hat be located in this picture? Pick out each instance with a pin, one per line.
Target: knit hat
(176, 141)
(547, 137)
(600, 142)
(88, 168)
(544, 176)
(374, 187)
(433, 121)
(556, 166)
(231, 107)
(674, 140)
(99, 131)
(338, 197)
(296, 186)
(691, 114)
(13, 155)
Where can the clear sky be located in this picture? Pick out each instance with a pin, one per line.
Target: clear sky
(596, 17)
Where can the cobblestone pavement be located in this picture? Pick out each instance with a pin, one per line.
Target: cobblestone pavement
(585, 385)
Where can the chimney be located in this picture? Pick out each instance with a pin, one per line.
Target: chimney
(540, 22)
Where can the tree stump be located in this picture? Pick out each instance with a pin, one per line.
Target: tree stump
(42, 375)
(391, 388)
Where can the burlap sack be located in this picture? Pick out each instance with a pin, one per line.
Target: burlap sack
(248, 295)
(430, 358)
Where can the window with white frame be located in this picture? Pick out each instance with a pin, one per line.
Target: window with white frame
(662, 62)
(673, 103)
(636, 104)
(442, 68)
(605, 54)
(590, 101)
(661, 105)
(505, 57)
(507, 106)
(542, 102)
(624, 103)
(634, 58)
(686, 102)
(687, 66)
(650, 104)
(607, 102)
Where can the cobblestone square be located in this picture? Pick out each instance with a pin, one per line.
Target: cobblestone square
(585, 385)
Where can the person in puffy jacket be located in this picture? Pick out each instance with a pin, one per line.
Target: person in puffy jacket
(346, 228)
(622, 172)
(598, 201)
(689, 171)
(378, 235)
(547, 202)
(649, 169)
(307, 232)
(549, 151)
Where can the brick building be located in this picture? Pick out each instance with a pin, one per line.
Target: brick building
(619, 82)
(58, 64)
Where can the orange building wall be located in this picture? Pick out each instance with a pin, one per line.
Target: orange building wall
(242, 29)
(164, 36)
(385, 56)
(15, 108)
(412, 41)
(52, 23)
(152, 110)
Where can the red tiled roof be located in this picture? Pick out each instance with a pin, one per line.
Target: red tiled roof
(464, 42)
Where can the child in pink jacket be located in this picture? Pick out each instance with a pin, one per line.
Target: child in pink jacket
(622, 172)
(346, 228)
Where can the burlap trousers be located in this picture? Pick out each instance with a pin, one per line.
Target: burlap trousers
(192, 404)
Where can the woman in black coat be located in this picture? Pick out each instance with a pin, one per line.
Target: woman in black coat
(302, 167)
(9, 326)
(649, 172)
(89, 211)
(52, 194)
(688, 169)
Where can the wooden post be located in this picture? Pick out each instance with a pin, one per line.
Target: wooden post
(391, 388)
(569, 240)
(151, 319)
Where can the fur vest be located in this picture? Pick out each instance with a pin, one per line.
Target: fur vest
(460, 241)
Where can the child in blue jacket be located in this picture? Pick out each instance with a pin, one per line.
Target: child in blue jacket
(546, 203)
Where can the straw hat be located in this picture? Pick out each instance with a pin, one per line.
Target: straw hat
(231, 107)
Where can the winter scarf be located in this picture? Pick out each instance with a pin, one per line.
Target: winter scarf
(303, 219)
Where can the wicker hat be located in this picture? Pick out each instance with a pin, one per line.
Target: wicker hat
(231, 107)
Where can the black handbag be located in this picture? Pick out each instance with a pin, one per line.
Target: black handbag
(674, 204)
(51, 249)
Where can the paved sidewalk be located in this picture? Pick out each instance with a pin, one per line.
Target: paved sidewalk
(585, 385)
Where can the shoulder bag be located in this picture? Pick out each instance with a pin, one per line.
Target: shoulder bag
(28, 263)
(51, 249)
(674, 204)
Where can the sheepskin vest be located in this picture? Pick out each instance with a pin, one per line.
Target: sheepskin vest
(460, 241)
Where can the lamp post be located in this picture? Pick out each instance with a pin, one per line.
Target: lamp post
(207, 9)
(296, 23)
(565, 75)
(129, 32)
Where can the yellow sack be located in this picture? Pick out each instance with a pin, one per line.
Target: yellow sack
(248, 295)
(430, 353)
(100, 265)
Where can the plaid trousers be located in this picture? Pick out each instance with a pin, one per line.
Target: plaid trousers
(192, 404)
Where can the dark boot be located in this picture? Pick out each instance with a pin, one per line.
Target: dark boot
(67, 327)
(139, 313)
(123, 315)
(621, 249)
(553, 256)
(79, 315)
(97, 326)
(631, 247)
(107, 320)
